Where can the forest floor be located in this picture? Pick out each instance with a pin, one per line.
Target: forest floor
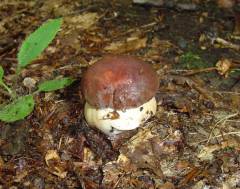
(193, 142)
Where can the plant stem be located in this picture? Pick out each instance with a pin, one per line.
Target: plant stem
(8, 90)
(18, 70)
(36, 92)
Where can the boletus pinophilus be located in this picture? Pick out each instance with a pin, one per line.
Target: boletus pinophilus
(120, 93)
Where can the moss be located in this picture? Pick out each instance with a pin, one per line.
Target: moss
(191, 60)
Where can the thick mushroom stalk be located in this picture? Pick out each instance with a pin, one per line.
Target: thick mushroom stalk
(113, 122)
(120, 93)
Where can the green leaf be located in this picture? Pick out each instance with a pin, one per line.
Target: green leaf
(1, 74)
(18, 109)
(55, 84)
(36, 42)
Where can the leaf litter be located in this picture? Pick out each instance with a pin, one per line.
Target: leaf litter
(192, 142)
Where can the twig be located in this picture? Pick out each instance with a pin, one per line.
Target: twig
(116, 184)
(226, 44)
(218, 136)
(205, 93)
(228, 92)
(234, 121)
(185, 80)
(193, 72)
(146, 26)
(223, 121)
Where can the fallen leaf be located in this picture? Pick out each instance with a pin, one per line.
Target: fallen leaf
(237, 24)
(206, 152)
(20, 176)
(84, 21)
(167, 185)
(54, 164)
(1, 163)
(226, 4)
(131, 44)
(223, 66)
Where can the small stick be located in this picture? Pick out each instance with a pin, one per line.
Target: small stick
(194, 85)
(197, 71)
(226, 43)
(193, 72)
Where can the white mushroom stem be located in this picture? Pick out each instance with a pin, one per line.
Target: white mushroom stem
(112, 121)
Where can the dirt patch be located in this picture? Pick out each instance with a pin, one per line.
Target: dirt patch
(192, 142)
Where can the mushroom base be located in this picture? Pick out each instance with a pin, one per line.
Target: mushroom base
(113, 122)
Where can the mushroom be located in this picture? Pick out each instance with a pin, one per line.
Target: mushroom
(120, 93)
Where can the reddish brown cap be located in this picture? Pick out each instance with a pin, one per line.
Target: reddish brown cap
(119, 82)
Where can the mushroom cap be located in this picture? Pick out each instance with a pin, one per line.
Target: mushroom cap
(119, 82)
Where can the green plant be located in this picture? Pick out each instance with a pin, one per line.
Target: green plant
(191, 60)
(21, 106)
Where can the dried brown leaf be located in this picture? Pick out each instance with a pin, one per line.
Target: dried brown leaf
(226, 4)
(84, 21)
(237, 24)
(131, 44)
(167, 185)
(54, 164)
(223, 66)
(206, 152)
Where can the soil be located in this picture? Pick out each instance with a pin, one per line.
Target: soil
(193, 142)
